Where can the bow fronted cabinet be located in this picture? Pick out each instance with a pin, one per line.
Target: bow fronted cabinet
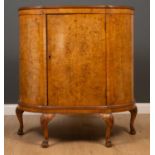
(76, 60)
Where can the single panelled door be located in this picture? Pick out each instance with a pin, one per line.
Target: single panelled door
(76, 59)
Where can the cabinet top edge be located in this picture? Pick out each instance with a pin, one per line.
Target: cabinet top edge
(76, 7)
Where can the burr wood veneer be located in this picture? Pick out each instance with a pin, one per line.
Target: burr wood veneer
(76, 60)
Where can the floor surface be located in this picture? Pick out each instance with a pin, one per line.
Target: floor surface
(77, 135)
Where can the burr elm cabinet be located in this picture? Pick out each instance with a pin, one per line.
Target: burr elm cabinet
(76, 60)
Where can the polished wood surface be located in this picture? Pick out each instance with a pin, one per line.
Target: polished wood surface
(32, 62)
(77, 109)
(75, 10)
(76, 60)
(79, 63)
(119, 59)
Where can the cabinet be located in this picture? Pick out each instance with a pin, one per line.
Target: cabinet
(76, 60)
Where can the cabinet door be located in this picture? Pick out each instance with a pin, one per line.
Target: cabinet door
(119, 36)
(76, 60)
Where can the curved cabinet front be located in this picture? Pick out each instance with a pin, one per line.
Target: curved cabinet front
(119, 49)
(33, 79)
(76, 58)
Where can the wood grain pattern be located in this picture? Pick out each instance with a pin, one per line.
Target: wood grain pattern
(76, 64)
(119, 39)
(76, 60)
(86, 65)
(77, 109)
(32, 60)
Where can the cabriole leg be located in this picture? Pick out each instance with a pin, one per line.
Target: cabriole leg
(19, 114)
(44, 120)
(109, 124)
(132, 119)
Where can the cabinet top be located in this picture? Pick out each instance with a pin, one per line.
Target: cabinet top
(39, 10)
(77, 7)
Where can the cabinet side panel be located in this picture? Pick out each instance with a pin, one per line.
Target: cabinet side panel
(76, 65)
(119, 38)
(32, 60)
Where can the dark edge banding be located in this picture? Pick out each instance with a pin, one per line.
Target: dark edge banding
(76, 7)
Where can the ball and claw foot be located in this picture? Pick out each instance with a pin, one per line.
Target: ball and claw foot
(45, 144)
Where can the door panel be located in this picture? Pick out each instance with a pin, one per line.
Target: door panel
(76, 60)
(119, 38)
(32, 62)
